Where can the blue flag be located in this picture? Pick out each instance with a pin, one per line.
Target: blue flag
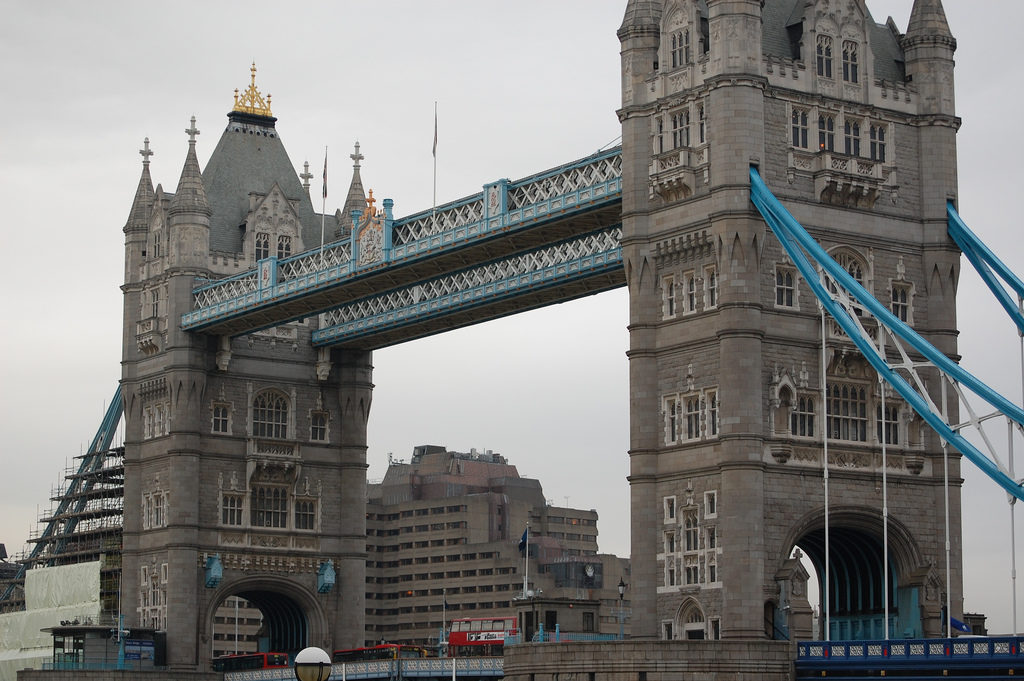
(524, 539)
(954, 623)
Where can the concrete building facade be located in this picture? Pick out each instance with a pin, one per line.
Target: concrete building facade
(443, 537)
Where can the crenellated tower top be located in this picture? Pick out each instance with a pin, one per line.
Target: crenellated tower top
(251, 101)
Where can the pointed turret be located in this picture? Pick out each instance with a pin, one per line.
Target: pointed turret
(641, 16)
(190, 196)
(928, 20)
(138, 216)
(356, 198)
(189, 214)
(136, 229)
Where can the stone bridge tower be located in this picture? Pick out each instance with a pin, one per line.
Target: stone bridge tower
(245, 458)
(852, 125)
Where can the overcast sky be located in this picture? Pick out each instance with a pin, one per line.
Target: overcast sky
(520, 87)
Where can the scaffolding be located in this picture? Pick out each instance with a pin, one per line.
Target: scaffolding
(84, 521)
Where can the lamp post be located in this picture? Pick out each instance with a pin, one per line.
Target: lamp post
(622, 613)
(312, 664)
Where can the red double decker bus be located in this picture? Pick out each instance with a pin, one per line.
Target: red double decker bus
(234, 663)
(385, 651)
(480, 636)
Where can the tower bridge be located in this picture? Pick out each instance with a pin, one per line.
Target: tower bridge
(758, 430)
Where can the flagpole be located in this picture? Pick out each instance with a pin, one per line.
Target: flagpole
(433, 211)
(323, 210)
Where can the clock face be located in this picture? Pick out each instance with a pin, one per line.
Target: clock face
(589, 570)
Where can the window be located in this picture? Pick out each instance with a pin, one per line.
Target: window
(799, 128)
(691, 535)
(670, 508)
(671, 420)
(692, 568)
(712, 571)
(670, 577)
(670, 542)
(716, 628)
(853, 267)
(270, 507)
(701, 125)
(847, 412)
(712, 538)
(588, 621)
(851, 137)
(801, 419)
(876, 134)
(270, 415)
(220, 418)
(710, 288)
(284, 246)
(826, 133)
(712, 416)
(305, 514)
(231, 509)
(262, 245)
(666, 631)
(154, 303)
(710, 504)
(691, 416)
(159, 520)
(681, 129)
(824, 54)
(890, 424)
(901, 302)
(157, 237)
(690, 292)
(318, 426)
(668, 297)
(785, 287)
(850, 61)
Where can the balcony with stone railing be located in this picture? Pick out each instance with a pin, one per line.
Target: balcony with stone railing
(676, 174)
(842, 180)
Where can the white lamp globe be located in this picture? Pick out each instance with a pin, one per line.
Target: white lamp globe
(312, 664)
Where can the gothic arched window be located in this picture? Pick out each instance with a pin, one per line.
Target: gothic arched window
(270, 415)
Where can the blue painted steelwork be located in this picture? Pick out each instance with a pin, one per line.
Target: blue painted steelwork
(502, 208)
(421, 668)
(974, 657)
(585, 257)
(73, 502)
(799, 245)
(984, 261)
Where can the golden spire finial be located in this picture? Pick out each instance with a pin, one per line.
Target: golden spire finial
(251, 101)
(371, 210)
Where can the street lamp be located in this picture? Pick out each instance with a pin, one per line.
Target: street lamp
(622, 592)
(312, 664)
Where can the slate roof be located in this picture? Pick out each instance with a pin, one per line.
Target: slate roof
(779, 15)
(250, 157)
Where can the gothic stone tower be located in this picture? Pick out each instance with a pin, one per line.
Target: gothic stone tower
(852, 125)
(245, 458)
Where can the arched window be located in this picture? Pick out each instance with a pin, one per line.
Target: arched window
(270, 415)
(824, 54)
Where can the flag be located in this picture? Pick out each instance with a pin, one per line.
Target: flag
(525, 538)
(435, 130)
(325, 172)
(958, 625)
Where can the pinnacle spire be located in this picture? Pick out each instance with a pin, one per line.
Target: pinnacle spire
(928, 21)
(190, 195)
(641, 15)
(138, 216)
(356, 198)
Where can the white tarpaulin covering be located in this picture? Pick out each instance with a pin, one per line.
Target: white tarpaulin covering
(68, 592)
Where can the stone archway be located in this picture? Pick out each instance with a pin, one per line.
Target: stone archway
(292, 618)
(856, 591)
